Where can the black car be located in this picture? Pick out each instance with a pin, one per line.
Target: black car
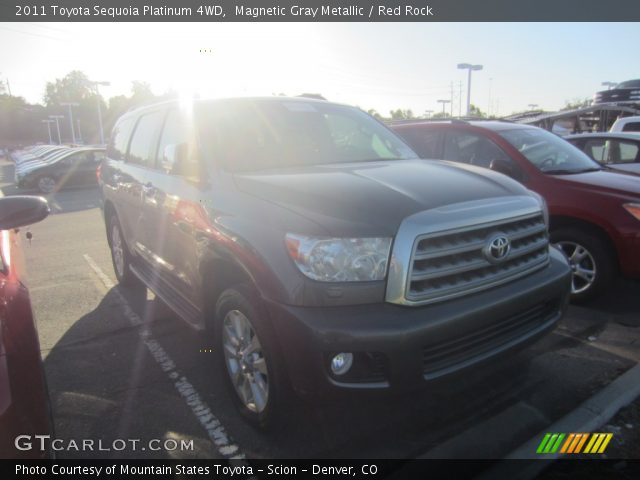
(620, 151)
(318, 252)
(71, 167)
(628, 91)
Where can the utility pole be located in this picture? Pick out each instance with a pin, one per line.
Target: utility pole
(56, 118)
(451, 103)
(8, 86)
(70, 105)
(469, 68)
(489, 104)
(444, 103)
(48, 122)
(460, 99)
(96, 85)
(79, 132)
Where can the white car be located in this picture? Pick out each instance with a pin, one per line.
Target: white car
(626, 124)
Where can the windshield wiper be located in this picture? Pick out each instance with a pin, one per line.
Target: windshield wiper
(565, 171)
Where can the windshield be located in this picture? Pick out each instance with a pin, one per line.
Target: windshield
(245, 135)
(548, 152)
(629, 84)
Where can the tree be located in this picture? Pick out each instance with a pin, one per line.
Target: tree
(373, 112)
(576, 103)
(400, 114)
(476, 112)
(73, 87)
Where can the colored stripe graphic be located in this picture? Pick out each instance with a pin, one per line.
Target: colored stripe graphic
(598, 443)
(595, 443)
(550, 443)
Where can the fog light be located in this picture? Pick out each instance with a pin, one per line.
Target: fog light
(341, 363)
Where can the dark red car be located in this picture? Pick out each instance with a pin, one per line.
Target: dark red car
(594, 212)
(24, 407)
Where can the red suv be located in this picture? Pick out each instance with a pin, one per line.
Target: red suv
(24, 405)
(594, 212)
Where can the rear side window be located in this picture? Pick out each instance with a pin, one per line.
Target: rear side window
(177, 149)
(142, 150)
(595, 148)
(117, 147)
(631, 127)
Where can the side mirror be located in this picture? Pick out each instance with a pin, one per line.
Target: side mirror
(22, 210)
(502, 166)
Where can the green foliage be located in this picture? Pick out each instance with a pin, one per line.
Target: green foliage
(400, 114)
(576, 103)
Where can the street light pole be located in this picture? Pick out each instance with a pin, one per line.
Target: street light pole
(48, 122)
(533, 106)
(56, 118)
(469, 67)
(70, 105)
(96, 84)
(444, 103)
(609, 85)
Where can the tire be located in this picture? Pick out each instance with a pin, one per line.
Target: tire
(591, 260)
(248, 358)
(47, 184)
(120, 256)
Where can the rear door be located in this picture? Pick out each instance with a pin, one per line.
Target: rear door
(132, 175)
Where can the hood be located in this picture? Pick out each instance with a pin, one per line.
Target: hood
(608, 181)
(626, 167)
(373, 197)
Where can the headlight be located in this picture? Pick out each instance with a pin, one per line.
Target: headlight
(633, 209)
(544, 206)
(340, 259)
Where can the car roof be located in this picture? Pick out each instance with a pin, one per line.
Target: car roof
(494, 125)
(302, 99)
(618, 135)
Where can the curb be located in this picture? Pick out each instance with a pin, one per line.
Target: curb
(589, 416)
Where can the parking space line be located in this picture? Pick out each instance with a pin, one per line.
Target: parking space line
(215, 430)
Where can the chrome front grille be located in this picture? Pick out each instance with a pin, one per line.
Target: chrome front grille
(457, 262)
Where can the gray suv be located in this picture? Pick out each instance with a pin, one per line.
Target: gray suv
(319, 252)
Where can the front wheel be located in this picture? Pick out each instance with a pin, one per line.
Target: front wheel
(592, 263)
(46, 184)
(248, 356)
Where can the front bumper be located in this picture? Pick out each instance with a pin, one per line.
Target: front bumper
(397, 347)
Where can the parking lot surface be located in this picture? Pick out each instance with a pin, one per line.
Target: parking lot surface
(121, 365)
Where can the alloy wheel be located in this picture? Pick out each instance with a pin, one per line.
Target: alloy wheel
(245, 361)
(582, 263)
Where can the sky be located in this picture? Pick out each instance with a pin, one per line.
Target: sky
(379, 66)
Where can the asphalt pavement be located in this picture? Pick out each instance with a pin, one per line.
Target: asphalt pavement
(120, 365)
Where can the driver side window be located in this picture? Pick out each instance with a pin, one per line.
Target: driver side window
(473, 149)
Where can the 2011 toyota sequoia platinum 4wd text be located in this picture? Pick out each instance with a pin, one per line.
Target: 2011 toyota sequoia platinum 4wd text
(319, 251)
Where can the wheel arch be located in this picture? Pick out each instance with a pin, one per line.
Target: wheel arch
(557, 222)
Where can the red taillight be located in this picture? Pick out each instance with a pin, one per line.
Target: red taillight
(99, 172)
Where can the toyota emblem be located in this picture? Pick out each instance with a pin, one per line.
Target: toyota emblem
(497, 248)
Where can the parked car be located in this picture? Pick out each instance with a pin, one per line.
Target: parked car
(620, 151)
(628, 91)
(319, 252)
(626, 124)
(24, 405)
(594, 212)
(35, 153)
(72, 167)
